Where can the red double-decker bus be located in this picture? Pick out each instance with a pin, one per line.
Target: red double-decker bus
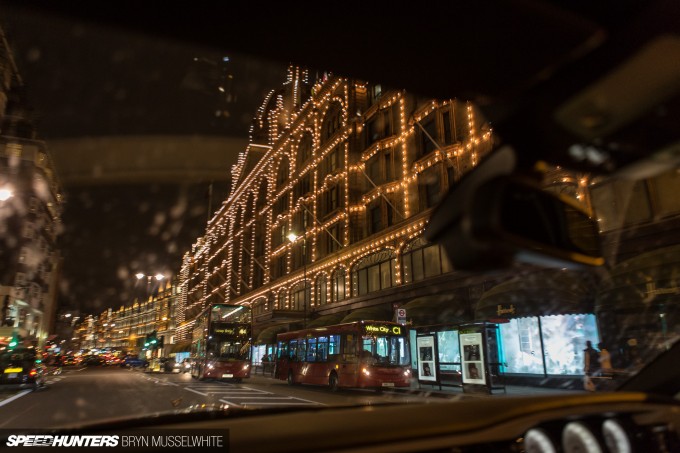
(361, 354)
(220, 345)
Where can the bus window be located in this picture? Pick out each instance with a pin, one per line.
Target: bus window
(292, 350)
(368, 344)
(382, 346)
(282, 350)
(322, 349)
(301, 350)
(334, 345)
(311, 350)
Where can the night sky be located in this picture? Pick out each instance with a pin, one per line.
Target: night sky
(86, 81)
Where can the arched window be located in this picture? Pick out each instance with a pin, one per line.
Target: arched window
(422, 259)
(332, 122)
(339, 284)
(281, 300)
(261, 306)
(375, 272)
(321, 290)
(300, 296)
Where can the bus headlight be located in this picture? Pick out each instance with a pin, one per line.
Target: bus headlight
(407, 373)
(211, 366)
(365, 371)
(246, 366)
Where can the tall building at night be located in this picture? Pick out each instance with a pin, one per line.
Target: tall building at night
(30, 215)
(328, 206)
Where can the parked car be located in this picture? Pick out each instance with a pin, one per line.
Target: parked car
(21, 369)
(94, 360)
(134, 361)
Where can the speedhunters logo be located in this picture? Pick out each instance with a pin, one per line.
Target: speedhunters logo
(134, 440)
(46, 440)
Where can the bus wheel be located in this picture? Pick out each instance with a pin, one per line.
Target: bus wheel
(291, 379)
(333, 382)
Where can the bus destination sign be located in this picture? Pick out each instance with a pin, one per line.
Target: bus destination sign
(378, 329)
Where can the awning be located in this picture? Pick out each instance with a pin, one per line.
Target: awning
(639, 283)
(181, 346)
(327, 320)
(434, 309)
(538, 294)
(660, 265)
(268, 334)
(375, 313)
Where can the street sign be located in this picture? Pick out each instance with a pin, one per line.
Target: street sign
(401, 316)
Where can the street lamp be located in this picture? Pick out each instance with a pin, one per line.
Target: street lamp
(292, 237)
(158, 277)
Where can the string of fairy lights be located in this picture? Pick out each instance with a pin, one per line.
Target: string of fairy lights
(239, 217)
(265, 201)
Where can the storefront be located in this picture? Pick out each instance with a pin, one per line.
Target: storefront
(265, 344)
(463, 354)
(544, 321)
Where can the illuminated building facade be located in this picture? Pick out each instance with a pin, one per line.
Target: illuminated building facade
(30, 216)
(126, 328)
(329, 202)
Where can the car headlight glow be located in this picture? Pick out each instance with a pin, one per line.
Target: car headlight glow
(365, 371)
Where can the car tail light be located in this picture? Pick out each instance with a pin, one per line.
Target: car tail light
(33, 372)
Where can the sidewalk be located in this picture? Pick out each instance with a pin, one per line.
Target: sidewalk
(447, 391)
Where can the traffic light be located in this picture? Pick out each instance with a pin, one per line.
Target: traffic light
(160, 342)
(14, 341)
(151, 341)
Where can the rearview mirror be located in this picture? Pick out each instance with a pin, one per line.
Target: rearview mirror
(495, 217)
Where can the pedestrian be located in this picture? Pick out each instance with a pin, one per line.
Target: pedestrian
(605, 360)
(591, 365)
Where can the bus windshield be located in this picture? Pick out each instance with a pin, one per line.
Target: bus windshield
(228, 348)
(385, 350)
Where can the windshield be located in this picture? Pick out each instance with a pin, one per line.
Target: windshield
(228, 349)
(170, 210)
(386, 350)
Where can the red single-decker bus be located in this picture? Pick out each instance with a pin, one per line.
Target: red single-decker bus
(361, 354)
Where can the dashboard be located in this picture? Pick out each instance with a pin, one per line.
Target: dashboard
(608, 422)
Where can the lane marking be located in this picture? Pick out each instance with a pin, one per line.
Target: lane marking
(249, 396)
(195, 391)
(12, 398)
(230, 403)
